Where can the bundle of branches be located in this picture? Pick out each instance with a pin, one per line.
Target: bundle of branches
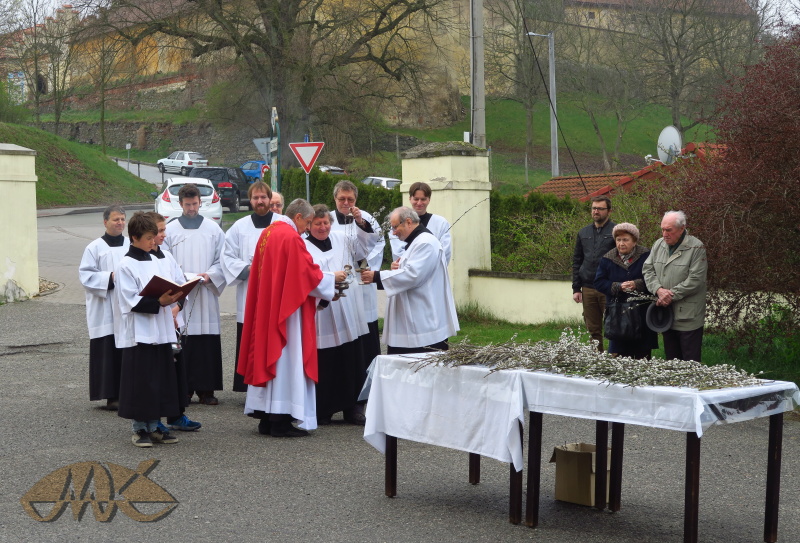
(573, 355)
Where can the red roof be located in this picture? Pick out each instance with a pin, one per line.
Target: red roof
(574, 187)
(600, 184)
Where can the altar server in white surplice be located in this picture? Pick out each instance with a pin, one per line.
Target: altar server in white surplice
(96, 274)
(278, 356)
(197, 244)
(421, 312)
(237, 257)
(419, 198)
(349, 218)
(341, 361)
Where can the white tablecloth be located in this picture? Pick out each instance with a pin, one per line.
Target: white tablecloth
(463, 408)
(469, 409)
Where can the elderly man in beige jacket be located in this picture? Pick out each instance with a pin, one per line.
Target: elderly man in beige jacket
(676, 272)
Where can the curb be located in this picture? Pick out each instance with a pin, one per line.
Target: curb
(57, 212)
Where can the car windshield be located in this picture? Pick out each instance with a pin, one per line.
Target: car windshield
(205, 190)
(213, 175)
(195, 156)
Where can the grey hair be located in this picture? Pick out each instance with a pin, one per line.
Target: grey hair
(345, 185)
(405, 212)
(299, 206)
(680, 218)
(112, 209)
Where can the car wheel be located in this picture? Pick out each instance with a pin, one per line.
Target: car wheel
(234, 207)
(161, 168)
(184, 171)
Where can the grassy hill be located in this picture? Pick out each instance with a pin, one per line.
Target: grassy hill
(505, 130)
(72, 174)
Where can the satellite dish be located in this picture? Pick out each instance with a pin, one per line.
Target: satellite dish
(669, 145)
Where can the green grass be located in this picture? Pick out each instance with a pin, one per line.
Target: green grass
(777, 363)
(70, 174)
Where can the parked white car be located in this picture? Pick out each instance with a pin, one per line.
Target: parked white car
(181, 162)
(167, 200)
(385, 182)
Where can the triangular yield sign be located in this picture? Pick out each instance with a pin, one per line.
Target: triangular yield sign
(307, 153)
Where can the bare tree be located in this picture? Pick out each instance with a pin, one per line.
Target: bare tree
(59, 42)
(600, 80)
(685, 49)
(294, 53)
(104, 58)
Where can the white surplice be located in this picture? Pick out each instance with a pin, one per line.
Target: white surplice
(98, 262)
(420, 308)
(438, 226)
(130, 277)
(199, 251)
(291, 391)
(240, 246)
(343, 320)
(373, 245)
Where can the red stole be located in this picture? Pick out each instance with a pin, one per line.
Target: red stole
(282, 276)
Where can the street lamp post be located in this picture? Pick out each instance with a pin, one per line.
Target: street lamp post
(553, 119)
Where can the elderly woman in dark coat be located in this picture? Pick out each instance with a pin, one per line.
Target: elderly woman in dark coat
(618, 275)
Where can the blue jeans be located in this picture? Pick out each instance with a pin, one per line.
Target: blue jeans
(148, 426)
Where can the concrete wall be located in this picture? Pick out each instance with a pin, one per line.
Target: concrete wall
(458, 174)
(524, 298)
(19, 251)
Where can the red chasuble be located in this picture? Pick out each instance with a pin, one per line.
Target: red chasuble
(282, 276)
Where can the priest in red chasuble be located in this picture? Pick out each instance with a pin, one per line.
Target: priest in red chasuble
(278, 353)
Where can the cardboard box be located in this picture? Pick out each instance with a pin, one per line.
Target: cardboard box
(575, 472)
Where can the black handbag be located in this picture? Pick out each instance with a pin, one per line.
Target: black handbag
(623, 321)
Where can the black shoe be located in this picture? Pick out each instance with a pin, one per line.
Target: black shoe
(264, 427)
(285, 429)
(142, 439)
(324, 421)
(111, 405)
(355, 415)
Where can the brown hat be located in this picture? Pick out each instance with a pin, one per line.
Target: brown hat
(628, 228)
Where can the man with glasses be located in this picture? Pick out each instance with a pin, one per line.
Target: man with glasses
(420, 311)
(347, 217)
(593, 242)
(240, 246)
(276, 202)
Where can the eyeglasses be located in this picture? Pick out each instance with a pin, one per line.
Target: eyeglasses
(599, 208)
(394, 227)
(346, 200)
(278, 205)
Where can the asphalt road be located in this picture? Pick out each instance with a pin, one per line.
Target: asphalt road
(231, 484)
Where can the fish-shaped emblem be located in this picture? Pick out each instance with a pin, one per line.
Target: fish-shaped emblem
(106, 487)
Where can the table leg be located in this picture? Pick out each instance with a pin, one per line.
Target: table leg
(515, 490)
(773, 478)
(474, 468)
(692, 498)
(391, 466)
(601, 464)
(534, 470)
(615, 486)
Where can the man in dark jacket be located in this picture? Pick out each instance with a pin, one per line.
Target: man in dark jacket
(593, 242)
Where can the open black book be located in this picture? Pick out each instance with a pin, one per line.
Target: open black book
(158, 286)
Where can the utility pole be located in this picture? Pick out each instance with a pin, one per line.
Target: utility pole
(552, 93)
(477, 80)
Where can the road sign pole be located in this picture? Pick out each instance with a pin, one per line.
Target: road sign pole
(308, 190)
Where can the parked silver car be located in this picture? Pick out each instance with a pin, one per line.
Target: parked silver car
(385, 182)
(167, 200)
(181, 162)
